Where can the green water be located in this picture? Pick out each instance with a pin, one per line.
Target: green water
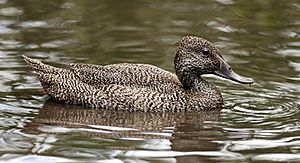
(259, 39)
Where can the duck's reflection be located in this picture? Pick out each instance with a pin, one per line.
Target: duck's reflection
(186, 131)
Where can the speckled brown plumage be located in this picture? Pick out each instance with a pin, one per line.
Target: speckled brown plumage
(138, 87)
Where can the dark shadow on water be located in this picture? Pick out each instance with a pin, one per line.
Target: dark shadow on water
(185, 131)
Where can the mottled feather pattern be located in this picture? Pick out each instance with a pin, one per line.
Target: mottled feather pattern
(131, 75)
(134, 87)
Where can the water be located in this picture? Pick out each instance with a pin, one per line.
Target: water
(259, 39)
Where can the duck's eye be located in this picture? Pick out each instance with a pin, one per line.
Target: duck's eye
(205, 51)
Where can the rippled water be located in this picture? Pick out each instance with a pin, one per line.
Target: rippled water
(258, 38)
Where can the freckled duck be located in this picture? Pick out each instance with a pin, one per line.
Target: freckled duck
(142, 87)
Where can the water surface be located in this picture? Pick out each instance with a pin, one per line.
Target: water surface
(259, 39)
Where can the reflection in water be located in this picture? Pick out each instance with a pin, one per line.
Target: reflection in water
(120, 124)
(184, 130)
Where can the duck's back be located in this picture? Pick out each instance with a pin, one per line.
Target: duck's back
(127, 74)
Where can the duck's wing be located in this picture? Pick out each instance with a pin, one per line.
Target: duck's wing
(126, 74)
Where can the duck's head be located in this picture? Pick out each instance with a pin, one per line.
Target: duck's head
(196, 56)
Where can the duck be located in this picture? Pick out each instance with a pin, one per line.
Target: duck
(142, 87)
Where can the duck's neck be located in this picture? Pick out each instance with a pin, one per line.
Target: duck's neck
(193, 81)
(188, 79)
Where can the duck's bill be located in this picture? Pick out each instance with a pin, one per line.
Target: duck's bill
(226, 72)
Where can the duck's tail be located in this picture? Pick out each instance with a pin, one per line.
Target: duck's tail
(60, 84)
(39, 66)
(47, 75)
